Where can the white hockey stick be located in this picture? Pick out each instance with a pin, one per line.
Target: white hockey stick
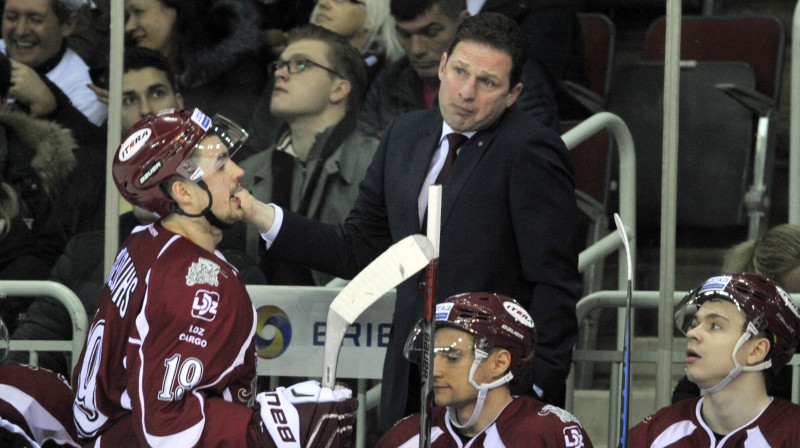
(626, 349)
(399, 262)
(426, 366)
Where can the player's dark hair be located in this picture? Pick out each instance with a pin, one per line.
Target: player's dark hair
(497, 31)
(405, 10)
(5, 75)
(138, 58)
(343, 58)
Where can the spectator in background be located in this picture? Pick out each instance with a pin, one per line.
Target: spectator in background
(37, 159)
(148, 86)
(776, 255)
(741, 330)
(215, 47)
(34, 37)
(319, 159)
(366, 24)
(425, 30)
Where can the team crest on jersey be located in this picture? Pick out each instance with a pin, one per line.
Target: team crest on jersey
(203, 271)
(205, 305)
(573, 437)
(563, 415)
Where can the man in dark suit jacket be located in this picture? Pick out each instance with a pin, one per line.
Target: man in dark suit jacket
(508, 214)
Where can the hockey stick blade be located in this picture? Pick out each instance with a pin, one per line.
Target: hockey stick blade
(626, 349)
(399, 262)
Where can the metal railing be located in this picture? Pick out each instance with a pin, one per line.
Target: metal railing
(31, 288)
(794, 122)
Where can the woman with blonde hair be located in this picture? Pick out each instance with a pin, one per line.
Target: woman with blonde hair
(366, 24)
(775, 255)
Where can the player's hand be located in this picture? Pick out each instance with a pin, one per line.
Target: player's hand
(99, 92)
(28, 88)
(306, 415)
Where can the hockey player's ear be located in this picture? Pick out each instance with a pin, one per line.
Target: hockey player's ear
(500, 362)
(181, 191)
(757, 351)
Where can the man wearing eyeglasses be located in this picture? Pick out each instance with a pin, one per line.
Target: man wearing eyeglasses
(320, 157)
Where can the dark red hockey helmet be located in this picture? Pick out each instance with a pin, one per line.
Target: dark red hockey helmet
(767, 308)
(160, 147)
(496, 321)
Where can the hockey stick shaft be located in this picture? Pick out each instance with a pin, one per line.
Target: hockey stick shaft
(398, 263)
(626, 348)
(426, 367)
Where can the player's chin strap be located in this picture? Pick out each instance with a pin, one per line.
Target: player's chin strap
(738, 368)
(206, 213)
(483, 389)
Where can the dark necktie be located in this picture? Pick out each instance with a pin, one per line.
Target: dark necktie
(455, 141)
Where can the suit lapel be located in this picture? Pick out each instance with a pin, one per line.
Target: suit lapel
(468, 158)
(418, 166)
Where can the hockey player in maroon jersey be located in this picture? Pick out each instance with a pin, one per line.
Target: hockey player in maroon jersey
(741, 330)
(170, 357)
(26, 419)
(483, 341)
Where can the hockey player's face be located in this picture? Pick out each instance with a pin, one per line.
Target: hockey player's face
(713, 334)
(451, 366)
(222, 176)
(150, 24)
(32, 31)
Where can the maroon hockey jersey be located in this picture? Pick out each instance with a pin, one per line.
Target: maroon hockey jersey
(36, 402)
(681, 426)
(170, 355)
(524, 423)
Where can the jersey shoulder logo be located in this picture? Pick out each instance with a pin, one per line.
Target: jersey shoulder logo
(573, 437)
(205, 305)
(203, 271)
(563, 415)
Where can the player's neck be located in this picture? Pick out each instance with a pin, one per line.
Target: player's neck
(736, 404)
(496, 400)
(197, 230)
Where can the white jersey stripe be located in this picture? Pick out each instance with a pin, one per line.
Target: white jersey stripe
(675, 432)
(42, 424)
